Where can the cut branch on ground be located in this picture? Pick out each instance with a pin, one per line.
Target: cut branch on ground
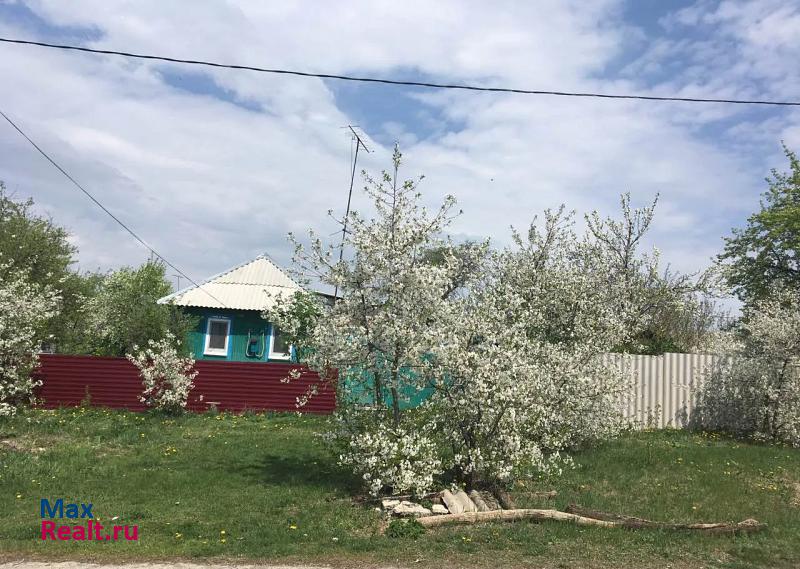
(585, 517)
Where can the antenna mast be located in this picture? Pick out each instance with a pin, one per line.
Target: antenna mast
(359, 144)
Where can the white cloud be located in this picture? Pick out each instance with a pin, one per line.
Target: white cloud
(210, 183)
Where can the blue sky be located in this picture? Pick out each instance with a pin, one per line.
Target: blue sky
(213, 167)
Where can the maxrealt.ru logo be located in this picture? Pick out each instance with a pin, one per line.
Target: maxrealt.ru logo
(91, 530)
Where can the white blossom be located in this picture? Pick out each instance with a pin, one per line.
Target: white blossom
(502, 348)
(755, 390)
(166, 375)
(24, 309)
(522, 378)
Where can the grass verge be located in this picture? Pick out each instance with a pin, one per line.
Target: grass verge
(264, 487)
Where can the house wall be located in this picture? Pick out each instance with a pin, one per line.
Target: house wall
(242, 322)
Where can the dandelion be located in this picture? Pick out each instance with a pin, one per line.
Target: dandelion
(292, 526)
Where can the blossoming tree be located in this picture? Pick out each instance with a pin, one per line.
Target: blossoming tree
(455, 362)
(379, 332)
(166, 375)
(755, 391)
(25, 309)
(523, 377)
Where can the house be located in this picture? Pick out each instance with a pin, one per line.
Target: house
(229, 306)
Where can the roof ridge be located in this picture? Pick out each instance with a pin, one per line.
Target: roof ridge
(268, 258)
(210, 280)
(184, 290)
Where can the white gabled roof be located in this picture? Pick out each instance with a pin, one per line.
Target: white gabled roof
(248, 286)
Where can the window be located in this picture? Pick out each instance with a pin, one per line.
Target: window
(279, 348)
(217, 337)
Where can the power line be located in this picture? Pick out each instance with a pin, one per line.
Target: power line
(462, 87)
(105, 209)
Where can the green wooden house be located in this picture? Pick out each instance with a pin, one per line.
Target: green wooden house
(230, 327)
(229, 307)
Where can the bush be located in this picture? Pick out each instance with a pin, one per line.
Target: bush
(167, 377)
(755, 391)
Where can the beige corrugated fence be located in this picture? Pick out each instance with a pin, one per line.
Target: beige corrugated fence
(664, 387)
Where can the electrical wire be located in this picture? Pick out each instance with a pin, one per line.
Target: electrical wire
(105, 209)
(431, 85)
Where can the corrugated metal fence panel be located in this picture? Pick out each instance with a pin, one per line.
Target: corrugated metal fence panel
(231, 386)
(664, 388)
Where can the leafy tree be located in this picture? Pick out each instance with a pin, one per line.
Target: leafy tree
(669, 311)
(41, 248)
(70, 330)
(765, 255)
(125, 313)
(33, 242)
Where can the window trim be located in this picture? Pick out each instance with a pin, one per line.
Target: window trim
(225, 352)
(272, 355)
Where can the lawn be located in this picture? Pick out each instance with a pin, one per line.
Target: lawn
(264, 487)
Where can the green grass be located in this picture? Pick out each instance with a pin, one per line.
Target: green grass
(274, 488)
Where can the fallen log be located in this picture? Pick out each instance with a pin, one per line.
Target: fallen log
(583, 517)
(511, 515)
(477, 499)
(746, 526)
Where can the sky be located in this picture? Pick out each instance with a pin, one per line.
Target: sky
(213, 167)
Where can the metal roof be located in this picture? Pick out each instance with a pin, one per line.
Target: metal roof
(249, 286)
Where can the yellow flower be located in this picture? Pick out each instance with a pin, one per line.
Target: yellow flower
(292, 526)
(178, 535)
(19, 496)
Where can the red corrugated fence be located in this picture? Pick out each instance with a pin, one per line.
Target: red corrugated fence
(230, 386)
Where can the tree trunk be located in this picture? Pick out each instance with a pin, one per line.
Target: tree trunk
(586, 518)
(746, 526)
(511, 515)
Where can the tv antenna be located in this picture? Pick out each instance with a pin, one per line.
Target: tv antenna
(359, 144)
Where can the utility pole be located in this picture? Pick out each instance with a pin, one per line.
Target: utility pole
(359, 144)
